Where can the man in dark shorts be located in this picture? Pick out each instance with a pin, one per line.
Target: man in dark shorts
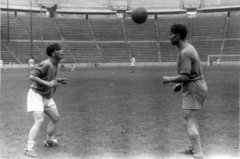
(191, 81)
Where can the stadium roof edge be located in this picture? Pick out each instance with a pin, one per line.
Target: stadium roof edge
(219, 8)
(38, 9)
(106, 11)
(162, 11)
(85, 11)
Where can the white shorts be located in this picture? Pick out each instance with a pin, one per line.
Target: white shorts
(36, 102)
(31, 66)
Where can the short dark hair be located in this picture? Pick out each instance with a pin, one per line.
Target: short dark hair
(53, 47)
(179, 29)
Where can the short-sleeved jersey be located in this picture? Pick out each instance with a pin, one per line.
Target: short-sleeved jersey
(189, 63)
(133, 61)
(195, 89)
(46, 71)
(31, 62)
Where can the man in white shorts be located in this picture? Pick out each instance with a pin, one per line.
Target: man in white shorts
(39, 99)
(218, 62)
(31, 63)
(133, 62)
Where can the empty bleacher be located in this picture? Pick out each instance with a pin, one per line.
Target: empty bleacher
(144, 51)
(6, 55)
(231, 47)
(163, 4)
(107, 29)
(85, 52)
(22, 50)
(214, 3)
(114, 52)
(205, 48)
(168, 52)
(140, 32)
(16, 31)
(115, 40)
(20, 3)
(83, 4)
(73, 29)
(208, 27)
(233, 27)
(41, 28)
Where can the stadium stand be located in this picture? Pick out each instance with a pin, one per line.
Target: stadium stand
(105, 38)
(6, 55)
(83, 4)
(144, 51)
(168, 52)
(49, 29)
(22, 50)
(233, 27)
(114, 52)
(73, 29)
(107, 29)
(20, 3)
(214, 3)
(85, 52)
(208, 27)
(232, 47)
(16, 31)
(163, 4)
(143, 32)
(207, 47)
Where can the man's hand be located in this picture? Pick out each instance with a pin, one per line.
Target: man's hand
(165, 79)
(53, 84)
(177, 87)
(62, 80)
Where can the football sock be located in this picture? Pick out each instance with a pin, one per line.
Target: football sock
(50, 138)
(30, 145)
(195, 141)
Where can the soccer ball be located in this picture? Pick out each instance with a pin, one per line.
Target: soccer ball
(139, 15)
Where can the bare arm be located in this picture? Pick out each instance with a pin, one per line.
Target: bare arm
(175, 79)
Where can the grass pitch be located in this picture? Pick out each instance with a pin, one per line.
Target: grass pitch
(110, 113)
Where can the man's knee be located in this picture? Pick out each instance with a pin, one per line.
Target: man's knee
(55, 118)
(39, 121)
(187, 118)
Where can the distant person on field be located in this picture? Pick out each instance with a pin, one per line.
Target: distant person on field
(191, 82)
(210, 62)
(218, 62)
(39, 99)
(1, 64)
(31, 63)
(72, 68)
(62, 65)
(133, 62)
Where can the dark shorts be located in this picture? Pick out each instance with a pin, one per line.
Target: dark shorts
(194, 94)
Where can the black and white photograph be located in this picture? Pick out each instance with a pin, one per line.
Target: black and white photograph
(120, 79)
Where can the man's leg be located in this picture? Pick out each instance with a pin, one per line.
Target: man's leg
(192, 129)
(38, 120)
(52, 125)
